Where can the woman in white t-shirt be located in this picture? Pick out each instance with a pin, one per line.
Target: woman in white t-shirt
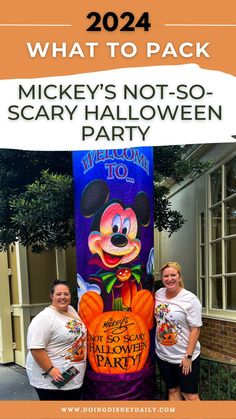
(178, 317)
(57, 344)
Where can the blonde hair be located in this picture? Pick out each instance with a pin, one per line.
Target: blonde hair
(176, 266)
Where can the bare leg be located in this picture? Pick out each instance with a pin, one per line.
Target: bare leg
(175, 394)
(191, 397)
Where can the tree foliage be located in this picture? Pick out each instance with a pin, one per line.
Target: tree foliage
(18, 170)
(36, 195)
(169, 163)
(43, 214)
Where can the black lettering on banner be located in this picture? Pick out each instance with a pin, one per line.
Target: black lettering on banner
(110, 22)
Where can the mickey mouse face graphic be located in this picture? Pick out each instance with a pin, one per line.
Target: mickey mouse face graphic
(116, 241)
(115, 230)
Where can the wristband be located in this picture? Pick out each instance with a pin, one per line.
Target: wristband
(188, 356)
(46, 373)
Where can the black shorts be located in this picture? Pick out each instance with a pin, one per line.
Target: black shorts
(44, 394)
(173, 376)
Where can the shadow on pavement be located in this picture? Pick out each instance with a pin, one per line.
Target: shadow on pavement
(14, 383)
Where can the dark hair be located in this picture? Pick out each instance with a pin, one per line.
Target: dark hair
(58, 282)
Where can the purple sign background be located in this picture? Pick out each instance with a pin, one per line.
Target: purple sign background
(114, 242)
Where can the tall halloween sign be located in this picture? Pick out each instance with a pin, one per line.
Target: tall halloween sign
(114, 245)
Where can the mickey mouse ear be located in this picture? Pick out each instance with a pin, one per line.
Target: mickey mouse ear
(93, 197)
(142, 208)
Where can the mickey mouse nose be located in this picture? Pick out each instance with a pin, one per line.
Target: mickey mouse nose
(119, 240)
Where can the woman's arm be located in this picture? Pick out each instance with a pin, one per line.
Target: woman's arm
(193, 338)
(186, 363)
(43, 360)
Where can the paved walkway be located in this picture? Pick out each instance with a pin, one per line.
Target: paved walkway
(14, 383)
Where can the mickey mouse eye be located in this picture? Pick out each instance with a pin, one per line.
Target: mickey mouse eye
(126, 226)
(116, 223)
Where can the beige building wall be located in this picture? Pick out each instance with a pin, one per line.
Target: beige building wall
(12, 265)
(6, 340)
(41, 272)
(25, 280)
(180, 246)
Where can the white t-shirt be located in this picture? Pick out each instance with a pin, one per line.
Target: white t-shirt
(64, 339)
(174, 318)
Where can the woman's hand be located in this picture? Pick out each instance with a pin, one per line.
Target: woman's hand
(43, 360)
(55, 373)
(186, 366)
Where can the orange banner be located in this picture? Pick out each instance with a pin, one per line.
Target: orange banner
(117, 410)
(82, 36)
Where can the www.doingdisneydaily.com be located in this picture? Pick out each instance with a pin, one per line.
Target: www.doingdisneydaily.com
(117, 409)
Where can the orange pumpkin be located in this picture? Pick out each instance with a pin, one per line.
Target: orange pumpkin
(169, 339)
(91, 306)
(118, 342)
(128, 291)
(143, 305)
(123, 274)
(167, 336)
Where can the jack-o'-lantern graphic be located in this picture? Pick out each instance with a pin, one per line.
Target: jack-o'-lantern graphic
(123, 274)
(167, 334)
(118, 341)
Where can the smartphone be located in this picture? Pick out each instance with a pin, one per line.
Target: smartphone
(67, 376)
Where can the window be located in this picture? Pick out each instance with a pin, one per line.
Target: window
(222, 238)
(202, 260)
